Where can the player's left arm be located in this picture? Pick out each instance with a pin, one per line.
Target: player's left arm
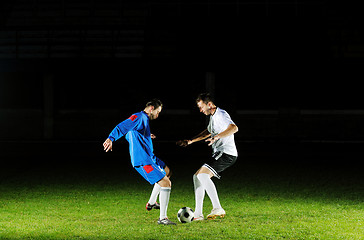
(230, 130)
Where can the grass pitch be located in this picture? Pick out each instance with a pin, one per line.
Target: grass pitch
(262, 201)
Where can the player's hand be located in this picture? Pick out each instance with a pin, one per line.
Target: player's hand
(183, 143)
(152, 136)
(211, 140)
(107, 145)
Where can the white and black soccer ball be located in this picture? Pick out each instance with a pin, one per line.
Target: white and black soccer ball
(185, 215)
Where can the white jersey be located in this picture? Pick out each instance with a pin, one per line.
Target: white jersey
(219, 123)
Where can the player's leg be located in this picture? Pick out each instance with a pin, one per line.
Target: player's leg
(199, 196)
(200, 187)
(168, 171)
(152, 203)
(204, 175)
(216, 165)
(154, 173)
(204, 169)
(165, 184)
(165, 192)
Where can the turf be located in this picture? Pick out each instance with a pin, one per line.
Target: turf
(262, 201)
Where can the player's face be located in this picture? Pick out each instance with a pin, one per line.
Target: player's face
(155, 113)
(204, 108)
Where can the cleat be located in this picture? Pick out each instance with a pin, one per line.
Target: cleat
(216, 212)
(166, 221)
(152, 206)
(199, 218)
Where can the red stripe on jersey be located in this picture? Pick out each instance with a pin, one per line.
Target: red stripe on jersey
(148, 168)
(133, 117)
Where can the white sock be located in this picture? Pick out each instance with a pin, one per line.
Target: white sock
(154, 195)
(164, 199)
(199, 196)
(209, 185)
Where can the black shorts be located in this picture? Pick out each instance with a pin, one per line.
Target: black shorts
(219, 162)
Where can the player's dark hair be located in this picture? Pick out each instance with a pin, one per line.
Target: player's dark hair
(156, 103)
(205, 97)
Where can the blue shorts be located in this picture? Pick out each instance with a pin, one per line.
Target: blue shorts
(154, 172)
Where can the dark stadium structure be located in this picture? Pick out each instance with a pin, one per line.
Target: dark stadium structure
(287, 71)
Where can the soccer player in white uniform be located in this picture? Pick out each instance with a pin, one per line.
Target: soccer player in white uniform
(220, 135)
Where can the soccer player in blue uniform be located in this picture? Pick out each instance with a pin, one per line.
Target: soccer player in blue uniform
(137, 132)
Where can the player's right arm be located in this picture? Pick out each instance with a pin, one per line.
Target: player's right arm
(201, 136)
(120, 130)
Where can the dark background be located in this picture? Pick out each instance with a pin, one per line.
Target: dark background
(288, 72)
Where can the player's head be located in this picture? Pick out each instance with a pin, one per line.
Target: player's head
(153, 108)
(205, 103)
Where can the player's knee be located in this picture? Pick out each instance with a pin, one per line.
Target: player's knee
(169, 183)
(168, 171)
(165, 182)
(169, 174)
(206, 171)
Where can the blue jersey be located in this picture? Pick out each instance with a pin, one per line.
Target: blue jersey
(137, 132)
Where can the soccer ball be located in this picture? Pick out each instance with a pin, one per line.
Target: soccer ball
(185, 215)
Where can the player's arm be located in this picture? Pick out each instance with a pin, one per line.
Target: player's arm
(201, 136)
(230, 130)
(119, 131)
(113, 136)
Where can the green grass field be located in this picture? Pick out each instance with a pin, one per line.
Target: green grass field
(262, 202)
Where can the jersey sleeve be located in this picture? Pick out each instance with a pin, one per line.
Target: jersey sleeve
(227, 119)
(124, 127)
